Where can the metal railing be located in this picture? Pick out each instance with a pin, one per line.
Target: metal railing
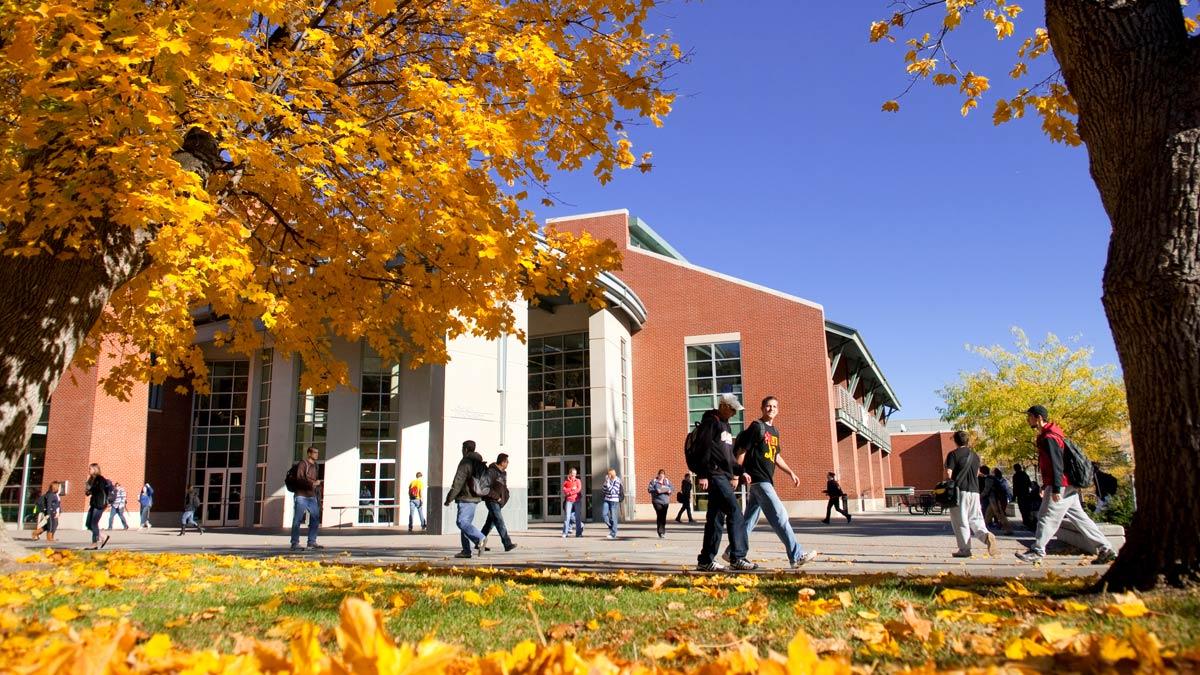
(852, 413)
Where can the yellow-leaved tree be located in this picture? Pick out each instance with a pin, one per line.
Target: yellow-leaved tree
(322, 168)
(1119, 77)
(1087, 401)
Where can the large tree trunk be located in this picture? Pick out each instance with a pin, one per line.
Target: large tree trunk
(46, 310)
(1131, 68)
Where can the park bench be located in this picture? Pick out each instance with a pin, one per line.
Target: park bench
(898, 495)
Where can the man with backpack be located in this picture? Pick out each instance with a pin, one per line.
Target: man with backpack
(1058, 461)
(415, 489)
(191, 506)
(758, 450)
(304, 481)
(469, 482)
(709, 454)
(495, 500)
(966, 518)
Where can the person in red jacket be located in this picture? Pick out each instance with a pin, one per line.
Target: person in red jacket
(572, 493)
(1060, 500)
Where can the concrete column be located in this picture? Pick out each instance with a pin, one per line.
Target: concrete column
(466, 404)
(605, 332)
(416, 387)
(285, 379)
(341, 454)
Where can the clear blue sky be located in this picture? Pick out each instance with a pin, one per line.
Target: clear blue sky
(921, 229)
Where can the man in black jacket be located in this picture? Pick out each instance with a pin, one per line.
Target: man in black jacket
(835, 492)
(717, 477)
(495, 500)
(97, 493)
(460, 493)
(1022, 490)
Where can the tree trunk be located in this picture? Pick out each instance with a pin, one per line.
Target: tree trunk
(1131, 68)
(47, 308)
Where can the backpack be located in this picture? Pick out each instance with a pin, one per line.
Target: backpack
(1076, 466)
(291, 480)
(110, 492)
(695, 457)
(945, 493)
(414, 492)
(480, 482)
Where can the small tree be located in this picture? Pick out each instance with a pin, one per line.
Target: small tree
(1087, 401)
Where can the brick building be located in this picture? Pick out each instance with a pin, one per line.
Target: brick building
(590, 389)
(919, 449)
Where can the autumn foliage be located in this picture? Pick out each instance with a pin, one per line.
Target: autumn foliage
(316, 168)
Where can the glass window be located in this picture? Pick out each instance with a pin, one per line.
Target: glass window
(559, 415)
(712, 370)
(378, 439)
(218, 434)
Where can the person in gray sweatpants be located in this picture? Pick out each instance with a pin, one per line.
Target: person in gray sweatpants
(966, 517)
(1060, 500)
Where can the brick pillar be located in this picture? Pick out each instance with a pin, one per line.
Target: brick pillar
(87, 425)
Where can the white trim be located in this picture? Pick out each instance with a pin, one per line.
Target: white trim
(726, 277)
(693, 340)
(596, 214)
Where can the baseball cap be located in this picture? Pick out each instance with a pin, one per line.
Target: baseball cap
(1039, 410)
(731, 401)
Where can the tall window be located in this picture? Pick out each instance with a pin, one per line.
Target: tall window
(265, 357)
(559, 418)
(218, 420)
(25, 483)
(378, 433)
(312, 422)
(712, 370)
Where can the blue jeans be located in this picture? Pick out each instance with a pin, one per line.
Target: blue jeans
(414, 506)
(189, 518)
(723, 512)
(119, 513)
(93, 522)
(495, 519)
(310, 506)
(568, 509)
(764, 501)
(144, 515)
(468, 534)
(610, 511)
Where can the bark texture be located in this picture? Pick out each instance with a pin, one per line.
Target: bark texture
(1131, 67)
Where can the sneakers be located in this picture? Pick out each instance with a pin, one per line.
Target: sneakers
(295, 547)
(805, 558)
(713, 566)
(481, 546)
(961, 554)
(611, 536)
(509, 547)
(849, 518)
(826, 521)
(743, 564)
(311, 546)
(1105, 556)
(564, 536)
(993, 550)
(463, 554)
(1030, 556)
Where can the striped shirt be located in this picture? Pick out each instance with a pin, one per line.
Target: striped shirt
(612, 489)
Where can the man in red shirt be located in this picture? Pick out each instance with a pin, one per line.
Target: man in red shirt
(1060, 500)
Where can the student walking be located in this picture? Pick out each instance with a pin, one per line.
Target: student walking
(119, 501)
(191, 506)
(307, 498)
(145, 501)
(966, 518)
(50, 506)
(495, 500)
(836, 496)
(416, 489)
(97, 492)
(1060, 499)
(1022, 488)
(660, 490)
(999, 496)
(685, 498)
(614, 492)
(758, 450)
(717, 474)
(572, 496)
(460, 493)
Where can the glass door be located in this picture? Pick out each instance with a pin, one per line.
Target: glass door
(546, 501)
(221, 498)
(377, 492)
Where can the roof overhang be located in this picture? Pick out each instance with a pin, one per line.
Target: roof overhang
(848, 341)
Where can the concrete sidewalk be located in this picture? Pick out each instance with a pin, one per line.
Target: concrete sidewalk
(873, 543)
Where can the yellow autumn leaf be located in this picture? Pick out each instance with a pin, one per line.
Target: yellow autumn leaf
(487, 624)
(222, 62)
(891, 106)
(64, 613)
(949, 595)
(1127, 605)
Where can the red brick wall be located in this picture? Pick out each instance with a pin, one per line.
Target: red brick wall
(919, 458)
(783, 354)
(167, 439)
(848, 461)
(86, 425)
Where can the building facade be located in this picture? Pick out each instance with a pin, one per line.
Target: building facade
(590, 389)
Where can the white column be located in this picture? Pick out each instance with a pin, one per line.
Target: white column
(341, 443)
(605, 332)
(285, 375)
(416, 387)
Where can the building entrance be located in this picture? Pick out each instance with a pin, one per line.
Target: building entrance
(221, 498)
(545, 488)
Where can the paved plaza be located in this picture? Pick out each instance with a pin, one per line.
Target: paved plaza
(873, 543)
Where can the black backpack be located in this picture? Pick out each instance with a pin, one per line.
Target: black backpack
(1076, 466)
(945, 493)
(291, 481)
(480, 482)
(695, 457)
(110, 492)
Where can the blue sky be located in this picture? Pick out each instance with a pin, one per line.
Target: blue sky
(923, 230)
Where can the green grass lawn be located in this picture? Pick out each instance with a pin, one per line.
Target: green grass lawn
(204, 601)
